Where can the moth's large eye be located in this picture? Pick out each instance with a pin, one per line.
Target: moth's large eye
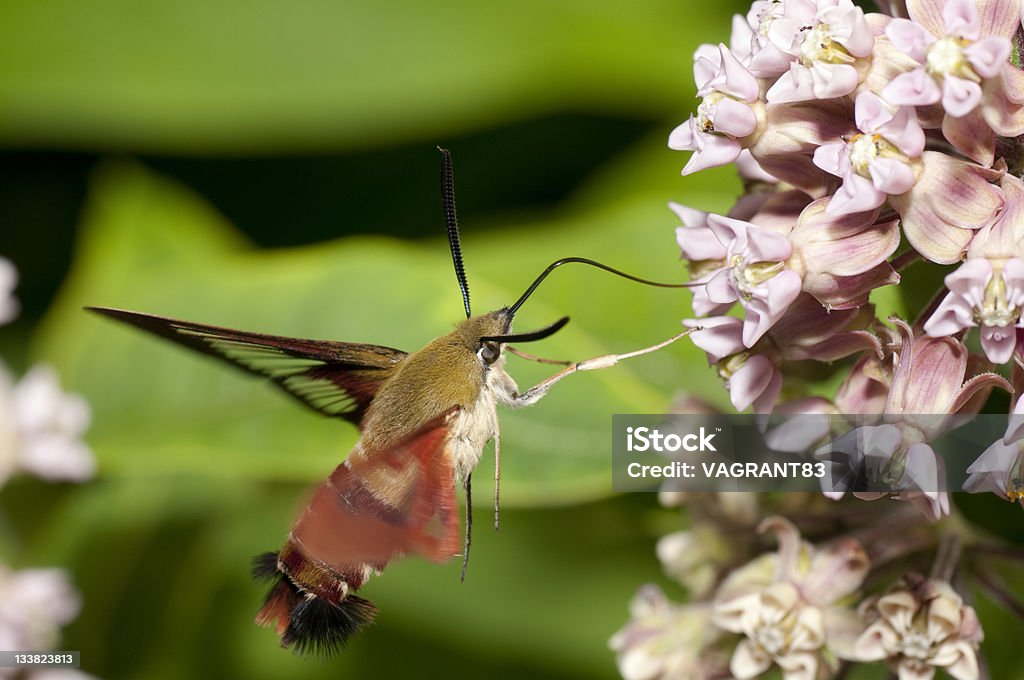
(489, 352)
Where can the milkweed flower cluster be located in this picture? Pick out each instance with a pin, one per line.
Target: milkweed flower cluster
(879, 151)
(867, 143)
(806, 610)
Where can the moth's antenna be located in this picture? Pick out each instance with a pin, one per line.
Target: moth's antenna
(451, 221)
(593, 263)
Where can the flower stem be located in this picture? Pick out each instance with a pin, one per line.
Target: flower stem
(1008, 551)
(947, 559)
(926, 314)
(905, 259)
(997, 591)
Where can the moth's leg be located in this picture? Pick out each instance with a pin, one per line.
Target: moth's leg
(534, 394)
(469, 525)
(532, 357)
(497, 472)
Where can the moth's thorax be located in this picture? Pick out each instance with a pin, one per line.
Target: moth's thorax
(447, 372)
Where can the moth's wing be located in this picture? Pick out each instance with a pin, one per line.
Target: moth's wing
(380, 505)
(338, 379)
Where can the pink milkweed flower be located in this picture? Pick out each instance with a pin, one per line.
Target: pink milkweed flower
(875, 162)
(750, 33)
(931, 385)
(866, 387)
(817, 48)
(929, 388)
(1000, 469)
(988, 289)
(782, 251)
(986, 294)
(808, 331)
(732, 117)
(706, 255)
(962, 61)
(728, 115)
(755, 274)
(751, 378)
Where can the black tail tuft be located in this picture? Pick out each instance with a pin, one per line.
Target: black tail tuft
(306, 623)
(264, 566)
(320, 627)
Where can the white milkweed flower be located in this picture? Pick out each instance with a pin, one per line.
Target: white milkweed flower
(41, 428)
(8, 280)
(667, 641)
(918, 627)
(34, 604)
(694, 557)
(784, 605)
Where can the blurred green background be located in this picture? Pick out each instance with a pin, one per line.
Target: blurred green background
(271, 166)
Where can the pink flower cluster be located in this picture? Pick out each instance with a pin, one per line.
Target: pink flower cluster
(855, 132)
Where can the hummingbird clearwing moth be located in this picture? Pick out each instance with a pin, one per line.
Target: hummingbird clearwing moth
(424, 418)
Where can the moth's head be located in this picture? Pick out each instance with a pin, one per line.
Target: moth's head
(485, 334)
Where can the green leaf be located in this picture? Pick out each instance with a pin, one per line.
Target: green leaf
(270, 75)
(149, 245)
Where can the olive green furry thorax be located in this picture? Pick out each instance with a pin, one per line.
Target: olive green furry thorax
(446, 372)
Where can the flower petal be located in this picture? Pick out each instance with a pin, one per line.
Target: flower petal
(990, 471)
(960, 18)
(971, 136)
(891, 176)
(734, 118)
(719, 336)
(762, 313)
(720, 289)
(750, 380)
(713, 151)
(952, 315)
(959, 96)
(836, 571)
(928, 376)
(949, 199)
(910, 38)
(738, 81)
(998, 343)
(977, 388)
(749, 661)
(696, 241)
(989, 56)
(914, 88)
(843, 246)
(832, 158)
(767, 246)
(765, 402)
(856, 195)
(683, 136)
(903, 130)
